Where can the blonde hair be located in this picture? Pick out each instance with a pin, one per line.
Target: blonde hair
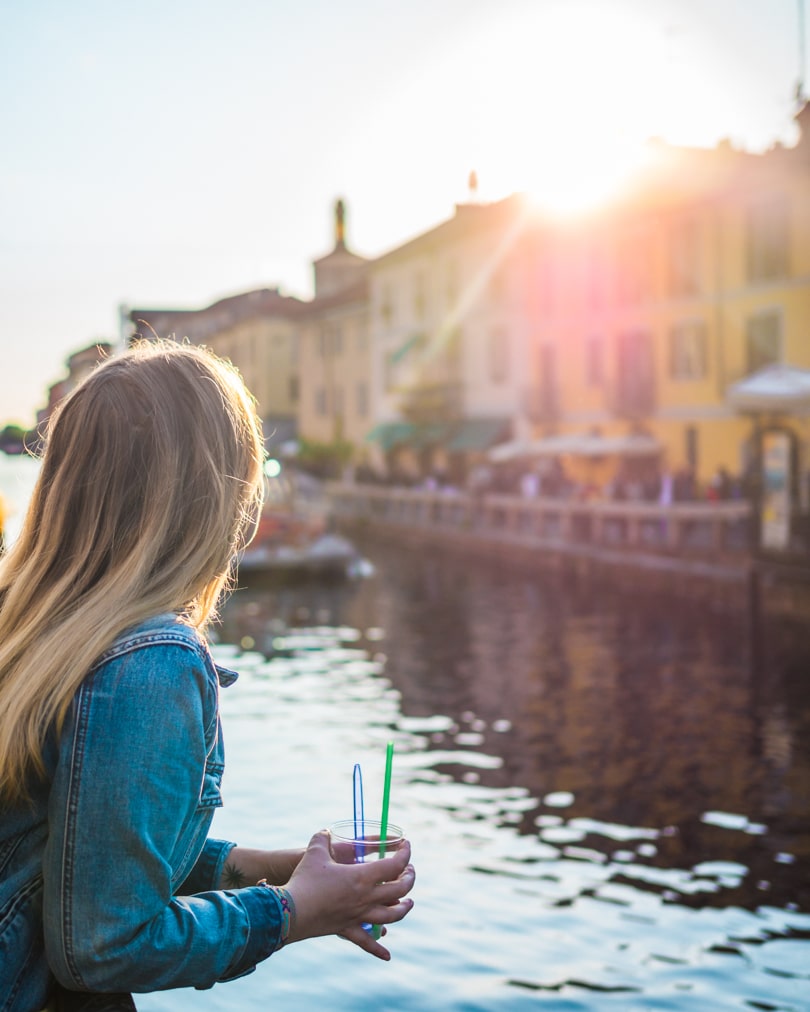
(150, 485)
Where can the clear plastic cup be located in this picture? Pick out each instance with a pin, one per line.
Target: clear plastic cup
(358, 842)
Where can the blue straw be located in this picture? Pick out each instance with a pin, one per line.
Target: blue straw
(359, 813)
(359, 821)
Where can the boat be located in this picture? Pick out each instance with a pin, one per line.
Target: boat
(294, 536)
(325, 554)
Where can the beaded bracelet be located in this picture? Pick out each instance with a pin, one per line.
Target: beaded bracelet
(287, 904)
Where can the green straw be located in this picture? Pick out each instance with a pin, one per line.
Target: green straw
(376, 930)
(389, 759)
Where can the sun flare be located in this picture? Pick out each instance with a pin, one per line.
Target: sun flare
(575, 90)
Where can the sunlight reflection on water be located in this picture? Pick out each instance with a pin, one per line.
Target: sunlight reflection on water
(574, 915)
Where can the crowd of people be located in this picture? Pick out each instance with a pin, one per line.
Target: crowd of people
(635, 480)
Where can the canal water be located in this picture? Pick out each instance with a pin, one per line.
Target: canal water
(608, 808)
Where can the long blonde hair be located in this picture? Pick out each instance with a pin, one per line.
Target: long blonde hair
(150, 484)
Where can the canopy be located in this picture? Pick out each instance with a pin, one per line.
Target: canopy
(477, 434)
(777, 388)
(587, 444)
(390, 434)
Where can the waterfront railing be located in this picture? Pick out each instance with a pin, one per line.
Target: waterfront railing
(715, 530)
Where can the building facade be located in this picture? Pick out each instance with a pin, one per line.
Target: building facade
(448, 336)
(335, 407)
(644, 316)
(258, 332)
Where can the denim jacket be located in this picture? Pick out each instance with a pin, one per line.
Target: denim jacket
(108, 881)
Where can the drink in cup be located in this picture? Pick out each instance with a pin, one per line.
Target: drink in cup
(355, 842)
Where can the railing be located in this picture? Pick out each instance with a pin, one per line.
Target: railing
(698, 530)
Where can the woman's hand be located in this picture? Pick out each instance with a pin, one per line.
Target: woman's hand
(333, 898)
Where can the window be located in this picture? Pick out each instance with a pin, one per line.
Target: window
(594, 361)
(547, 381)
(338, 399)
(321, 405)
(687, 351)
(635, 374)
(323, 341)
(498, 356)
(293, 388)
(361, 392)
(362, 338)
(387, 308)
(419, 297)
(691, 443)
(337, 340)
(389, 369)
(767, 235)
(684, 260)
(763, 340)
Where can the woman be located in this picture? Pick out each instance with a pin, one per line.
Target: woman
(110, 745)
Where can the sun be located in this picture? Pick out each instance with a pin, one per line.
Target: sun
(575, 179)
(571, 102)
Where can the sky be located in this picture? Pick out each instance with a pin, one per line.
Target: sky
(172, 152)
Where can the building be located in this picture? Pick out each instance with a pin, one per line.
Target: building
(449, 334)
(257, 331)
(643, 316)
(335, 408)
(79, 365)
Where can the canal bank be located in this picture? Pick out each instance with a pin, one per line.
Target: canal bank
(690, 552)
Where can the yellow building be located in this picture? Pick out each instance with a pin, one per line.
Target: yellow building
(258, 332)
(335, 404)
(644, 315)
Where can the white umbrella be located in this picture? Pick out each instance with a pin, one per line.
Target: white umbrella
(512, 450)
(775, 388)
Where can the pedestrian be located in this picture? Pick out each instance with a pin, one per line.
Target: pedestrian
(111, 753)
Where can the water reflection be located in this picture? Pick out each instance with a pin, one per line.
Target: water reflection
(622, 808)
(646, 715)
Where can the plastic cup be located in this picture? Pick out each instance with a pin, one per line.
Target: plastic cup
(349, 847)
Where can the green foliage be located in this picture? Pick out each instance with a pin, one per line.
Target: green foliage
(324, 459)
(16, 439)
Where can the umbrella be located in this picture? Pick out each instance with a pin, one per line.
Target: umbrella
(775, 388)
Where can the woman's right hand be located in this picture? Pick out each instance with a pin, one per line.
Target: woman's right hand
(333, 898)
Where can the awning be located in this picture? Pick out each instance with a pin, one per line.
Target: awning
(587, 444)
(429, 435)
(391, 434)
(477, 434)
(512, 450)
(775, 388)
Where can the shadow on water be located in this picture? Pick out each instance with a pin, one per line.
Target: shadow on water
(622, 711)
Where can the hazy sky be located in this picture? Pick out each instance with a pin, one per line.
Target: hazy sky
(170, 153)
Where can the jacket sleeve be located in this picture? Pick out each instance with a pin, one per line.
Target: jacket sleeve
(207, 871)
(128, 804)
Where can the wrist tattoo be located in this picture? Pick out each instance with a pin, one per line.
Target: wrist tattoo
(233, 877)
